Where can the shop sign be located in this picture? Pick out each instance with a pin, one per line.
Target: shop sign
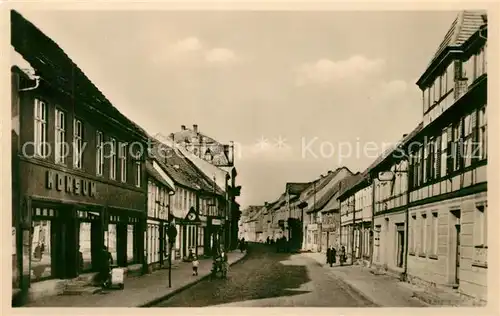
(70, 184)
(312, 227)
(216, 222)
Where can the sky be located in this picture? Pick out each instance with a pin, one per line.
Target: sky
(300, 93)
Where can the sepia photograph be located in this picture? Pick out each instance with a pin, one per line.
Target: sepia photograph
(249, 158)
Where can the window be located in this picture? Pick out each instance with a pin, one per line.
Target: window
(437, 88)
(457, 145)
(483, 133)
(112, 160)
(138, 174)
(437, 157)
(130, 243)
(99, 153)
(40, 129)
(77, 143)
(468, 139)
(186, 206)
(430, 159)
(425, 161)
(423, 234)
(60, 143)
(468, 69)
(444, 82)
(480, 226)
(450, 76)
(425, 100)
(479, 64)
(434, 234)
(123, 161)
(413, 234)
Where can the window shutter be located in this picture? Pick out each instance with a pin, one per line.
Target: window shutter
(438, 157)
(475, 136)
(449, 150)
(461, 148)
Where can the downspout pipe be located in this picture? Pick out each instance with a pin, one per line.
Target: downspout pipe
(372, 237)
(407, 220)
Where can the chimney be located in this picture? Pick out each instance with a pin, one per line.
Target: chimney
(329, 171)
(266, 204)
(195, 128)
(172, 136)
(404, 135)
(183, 127)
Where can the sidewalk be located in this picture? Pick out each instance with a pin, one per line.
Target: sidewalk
(140, 291)
(383, 290)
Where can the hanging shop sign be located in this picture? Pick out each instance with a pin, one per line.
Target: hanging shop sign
(70, 184)
(217, 222)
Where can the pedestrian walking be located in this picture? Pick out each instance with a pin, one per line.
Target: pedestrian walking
(333, 253)
(196, 263)
(342, 255)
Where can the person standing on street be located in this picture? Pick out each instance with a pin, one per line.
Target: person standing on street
(328, 257)
(196, 263)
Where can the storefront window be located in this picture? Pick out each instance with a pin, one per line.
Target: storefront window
(130, 243)
(40, 250)
(110, 241)
(85, 246)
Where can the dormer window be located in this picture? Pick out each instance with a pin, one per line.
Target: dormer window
(208, 155)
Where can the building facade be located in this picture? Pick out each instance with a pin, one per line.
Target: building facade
(431, 204)
(448, 182)
(351, 214)
(160, 189)
(80, 182)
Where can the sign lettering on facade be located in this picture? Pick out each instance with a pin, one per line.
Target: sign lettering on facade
(70, 184)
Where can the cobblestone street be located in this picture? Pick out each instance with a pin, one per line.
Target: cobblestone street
(266, 278)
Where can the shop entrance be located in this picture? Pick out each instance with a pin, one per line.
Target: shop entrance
(90, 240)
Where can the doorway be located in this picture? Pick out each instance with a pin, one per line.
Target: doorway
(456, 217)
(400, 245)
(457, 257)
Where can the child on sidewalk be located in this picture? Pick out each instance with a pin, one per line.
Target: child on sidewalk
(196, 263)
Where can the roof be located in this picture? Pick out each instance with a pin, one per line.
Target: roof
(182, 171)
(390, 151)
(464, 26)
(295, 188)
(51, 63)
(155, 174)
(348, 183)
(320, 183)
(216, 148)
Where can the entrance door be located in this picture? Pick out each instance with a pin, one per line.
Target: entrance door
(457, 257)
(400, 254)
(96, 242)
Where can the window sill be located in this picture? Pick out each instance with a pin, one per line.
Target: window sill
(422, 255)
(433, 257)
(480, 265)
(481, 246)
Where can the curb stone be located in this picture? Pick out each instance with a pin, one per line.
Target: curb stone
(185, 287)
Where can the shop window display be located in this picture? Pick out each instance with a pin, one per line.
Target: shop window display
(110, 241)
(41, 250)
(130, 243)
(85, 245)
